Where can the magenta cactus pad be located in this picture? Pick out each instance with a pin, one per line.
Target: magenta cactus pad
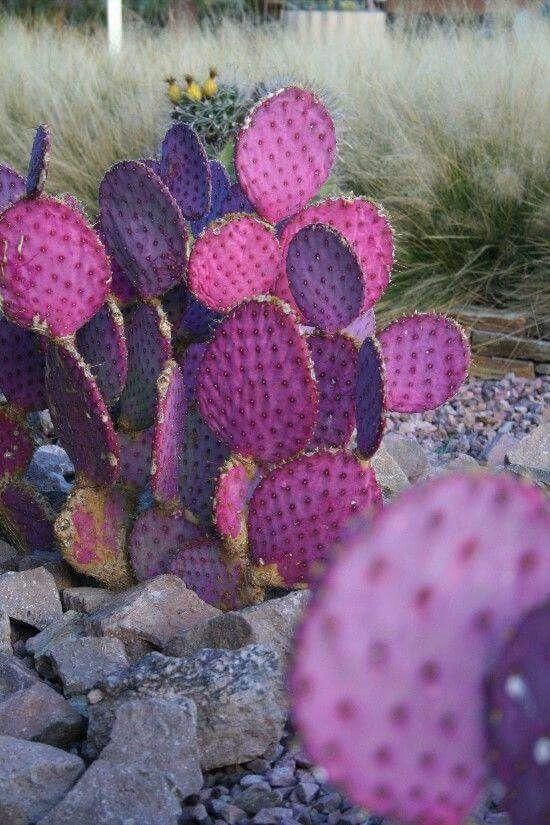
(370, 398)
(172, 403)
(284, 152)
(235, 258)
(392, 652)
(21, 367)
(271, 415)
(426, 357)
(80, 417)
(185, 170)
(16, 444)
(234, 487)
(55, 274)
(335, 365)
(156, 538)
(102, 344)
(300, 510)
(143, 228)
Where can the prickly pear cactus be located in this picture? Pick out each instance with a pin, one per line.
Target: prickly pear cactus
(12, 187)
(102, 344)
(393, 650)
(156, 538)
(22, 363)
(518, 718)
(25, 516)
(38, 161)
(16, 444)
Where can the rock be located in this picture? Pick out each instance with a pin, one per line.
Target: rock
(150, 614)
(5, 633)
(111, 794)
(30, 597)
(81, 662)
(85, 599)
(532, 454)
(463, 463)
(8, 557)
(241, 706)
(51, 561)
(161, 737)
(497, 449)
(390, 476)
(408, 454)
(51, 472)
(254, 798)
(70, 625)
(33, 778)
(31, 709)
(272, 815)
(282, 775)
(271, 623)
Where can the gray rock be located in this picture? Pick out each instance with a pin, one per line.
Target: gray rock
(111, 794)
(463, 463)
(33, 778)
(30, 597)
(81, 662)
(52, 561)
(5, 633)
(51, 472)
(8, 557)
(241, 706)
(68, 625)
(85, 599)
(150, 614)
(255, 798)
(272, 815)
(282, 775)
(31, 709)
(228, 631)
(532, 454)
(408, 453)
(161, 737)
(390, 476)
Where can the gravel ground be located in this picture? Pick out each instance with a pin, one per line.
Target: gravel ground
(481, 412)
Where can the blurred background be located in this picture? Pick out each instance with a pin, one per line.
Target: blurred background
(442, 110)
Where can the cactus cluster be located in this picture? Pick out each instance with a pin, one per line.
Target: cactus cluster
(399, 654)
(207, 352)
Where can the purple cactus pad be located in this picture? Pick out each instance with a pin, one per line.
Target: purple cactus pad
(26, 517)
(38, 162)
(272, 416)
(55, 273)
(22, 365)
(220, 189)
(149, 347)
(189, 361)
(200, 564)
(198, 322)
(174, 302)
(325, 278)
(16, 444)
(12, 187)
(143, 228)
(370, 398)
(236, 201)
(102, 344)
(172, 403)
(135, 457)
(335, 366)
(185, 170)
(156, 538)
(79, 415)
(364, 326)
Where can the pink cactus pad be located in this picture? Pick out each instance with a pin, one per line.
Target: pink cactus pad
(102, 344)
(200, 564)
(39, 161)
(325, 277)
(135, 457)
(149, 347)
(156, 538)
(74, 203)
(185, 170)
(25, 516)
(234, 487)
(220, 189)
(366, 229)
(364, 326)
(426, 359)
(54, 272)
(12, 187)
(202, 456)
(189, 361)
(370, 398)
(271, 416)
(143, 228)
(285, 152)
(300, 510)
(335, 365)
(172, 402)
(92, 529)
(235, 258)
(16, 445)
(21, 367)
(392, 652)
(80, 418)
(174, 303)
(518, 716)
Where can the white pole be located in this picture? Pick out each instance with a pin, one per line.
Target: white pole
(114, 25)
